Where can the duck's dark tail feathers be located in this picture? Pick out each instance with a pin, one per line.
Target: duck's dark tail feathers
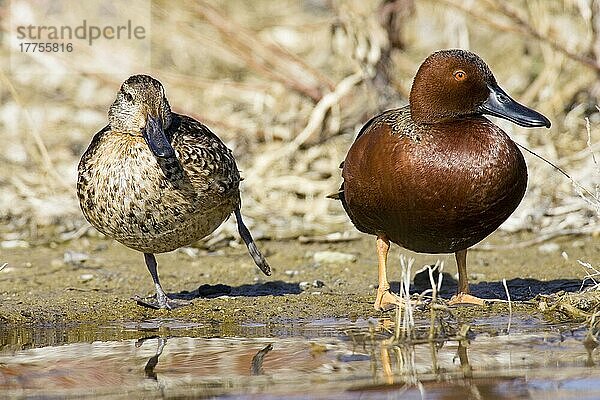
(252, 249)
(339, 195)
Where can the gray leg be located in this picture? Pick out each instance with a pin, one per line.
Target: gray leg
(162, 300)
(161, 296)
(256, 255)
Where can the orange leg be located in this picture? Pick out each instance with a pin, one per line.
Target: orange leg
(386, 364)
(385, 299)
(463, 296)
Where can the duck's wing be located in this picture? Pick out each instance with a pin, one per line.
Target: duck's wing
(87, 159)
(209, 163)
(389, 116)
(93, 145)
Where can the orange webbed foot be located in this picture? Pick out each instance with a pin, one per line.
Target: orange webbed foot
(465, 298)
(387, 300)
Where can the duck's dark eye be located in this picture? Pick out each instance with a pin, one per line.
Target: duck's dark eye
(128, 96)
(460, 75)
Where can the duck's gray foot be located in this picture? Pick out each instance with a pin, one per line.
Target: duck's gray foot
(160, 300)
(165, 303)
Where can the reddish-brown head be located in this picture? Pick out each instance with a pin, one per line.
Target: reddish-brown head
(456, 83)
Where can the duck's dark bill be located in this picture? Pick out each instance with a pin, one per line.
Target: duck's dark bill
(501, 105)
(156, 139)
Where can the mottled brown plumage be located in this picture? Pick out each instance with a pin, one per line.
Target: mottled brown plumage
(155, 180)
(436, 176)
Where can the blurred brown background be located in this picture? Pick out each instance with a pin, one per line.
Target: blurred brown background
(287, 84)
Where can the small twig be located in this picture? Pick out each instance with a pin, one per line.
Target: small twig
(588, 275)
(589, 140)
(397, 323)
(589, 146)
(439, 265)
(408, 322)
(509, 305)
(3, 266)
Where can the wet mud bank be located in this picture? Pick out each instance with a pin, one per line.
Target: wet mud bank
(93, 280)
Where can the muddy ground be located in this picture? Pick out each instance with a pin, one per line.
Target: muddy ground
(51, 284)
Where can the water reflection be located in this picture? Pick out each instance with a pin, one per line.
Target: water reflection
(257, 360)
(360, 361)
(256, 365)
(149, 368)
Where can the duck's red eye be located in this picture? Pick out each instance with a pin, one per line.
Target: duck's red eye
(460, 75)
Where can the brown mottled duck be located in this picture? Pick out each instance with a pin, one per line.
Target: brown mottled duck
(436, 176)
(156, 180)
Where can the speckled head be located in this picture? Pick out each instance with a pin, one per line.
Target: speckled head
(141, 108)
(456, 83)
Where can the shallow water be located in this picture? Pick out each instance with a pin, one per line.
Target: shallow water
(321, 359)
(70, 329)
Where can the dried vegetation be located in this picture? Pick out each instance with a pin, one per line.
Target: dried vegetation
(288, 84)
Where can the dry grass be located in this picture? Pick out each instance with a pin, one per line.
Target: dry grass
(287, 85)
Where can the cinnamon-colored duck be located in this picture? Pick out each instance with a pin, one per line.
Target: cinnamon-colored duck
(436, 176)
